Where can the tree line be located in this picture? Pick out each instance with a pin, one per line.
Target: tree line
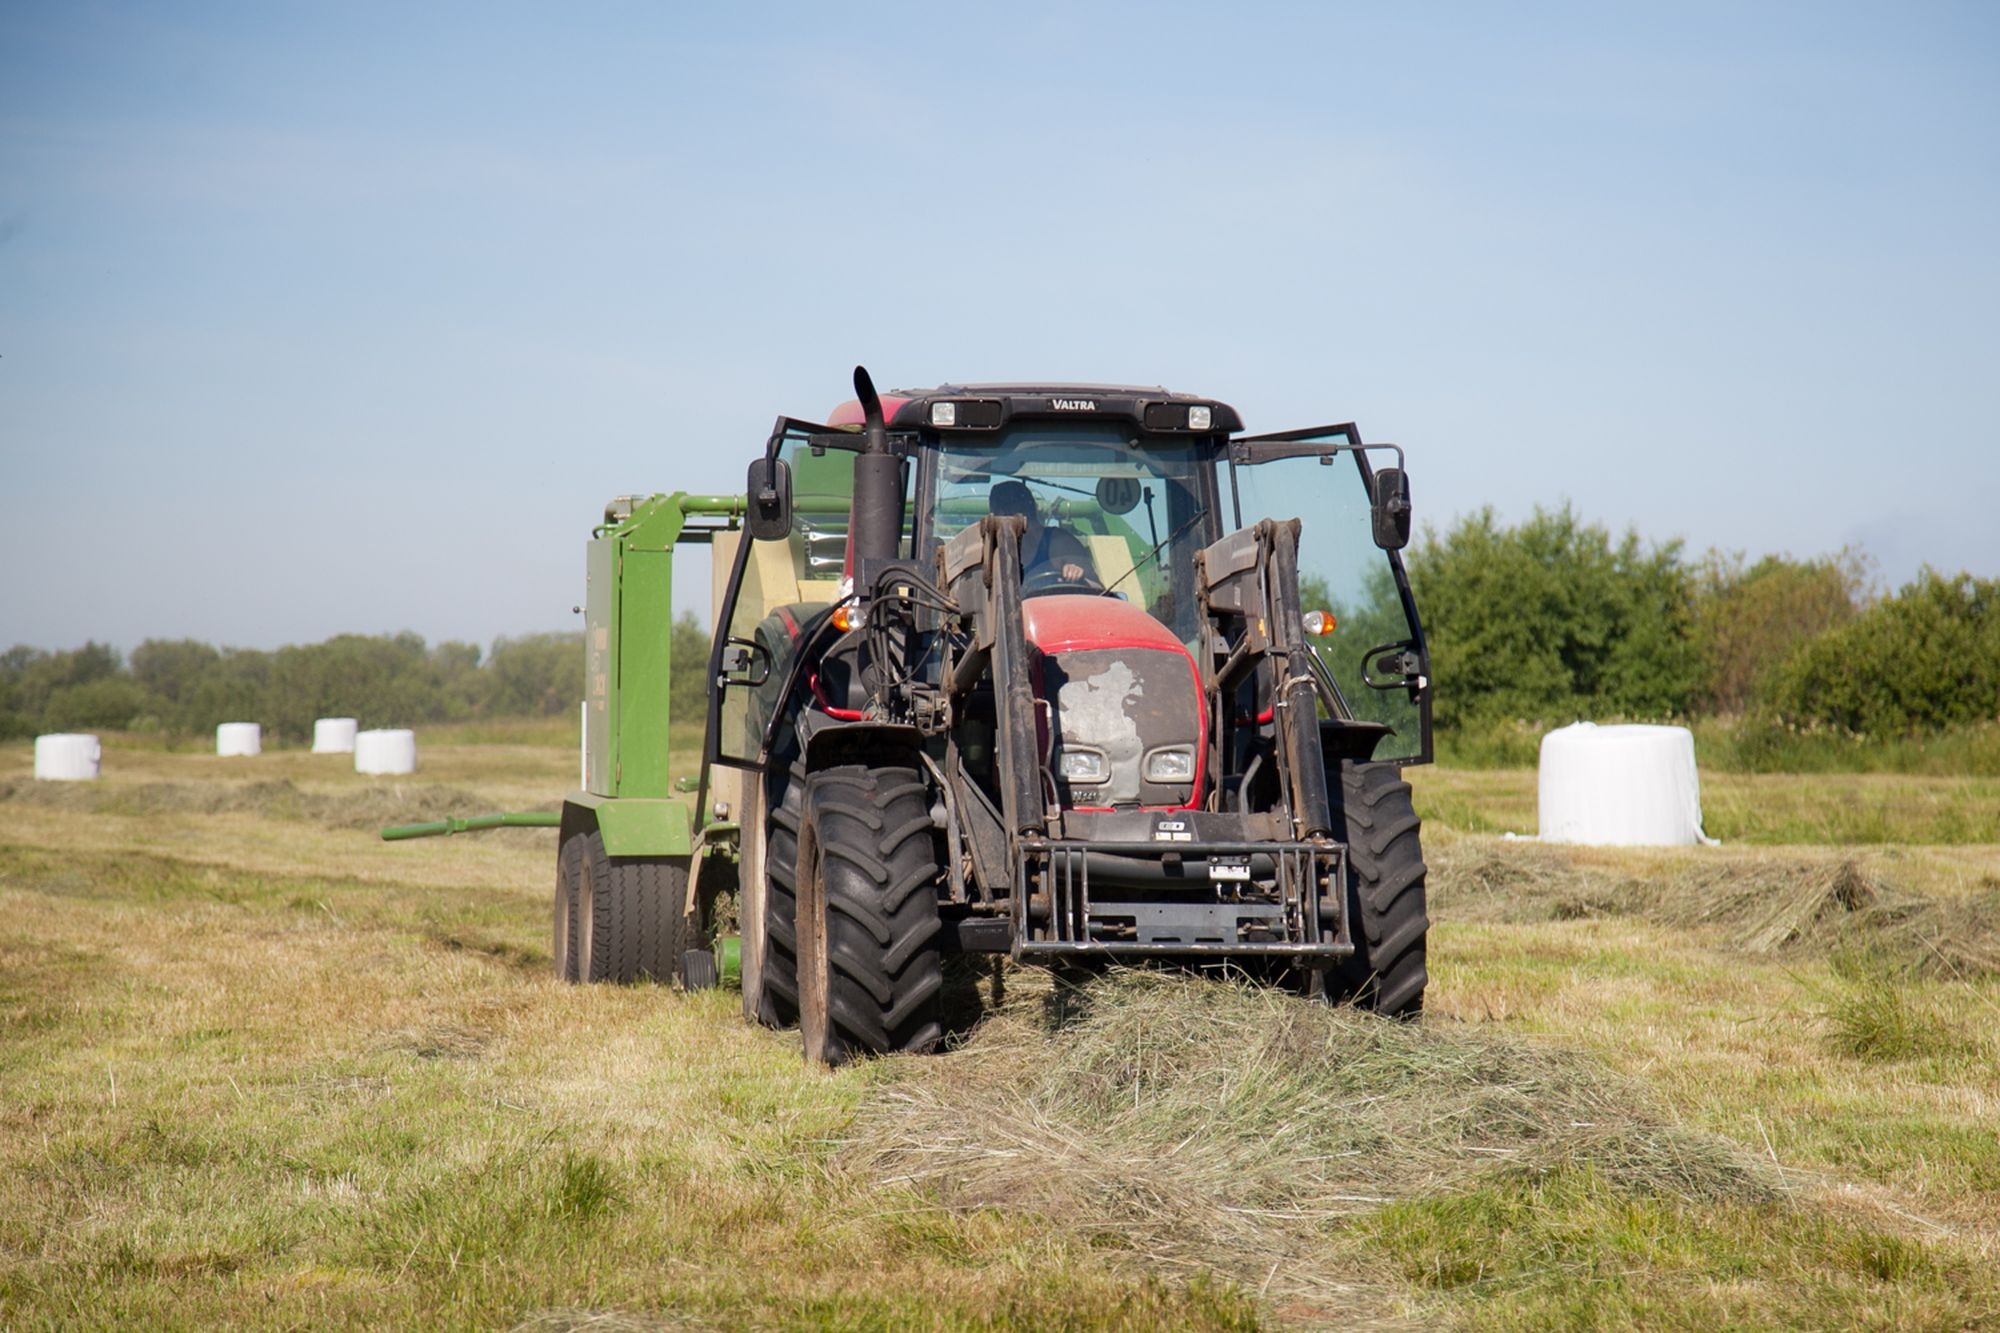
(185, 687)
(1554, 619)
(1530, 625)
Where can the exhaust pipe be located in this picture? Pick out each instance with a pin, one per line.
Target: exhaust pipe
(875, 523)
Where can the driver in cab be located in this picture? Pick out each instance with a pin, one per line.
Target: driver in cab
(1049, 552)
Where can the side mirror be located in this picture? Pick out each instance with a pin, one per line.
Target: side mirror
(744, 662)
(1392, 509)
(770, 495)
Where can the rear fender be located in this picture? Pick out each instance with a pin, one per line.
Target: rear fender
(1349, 739)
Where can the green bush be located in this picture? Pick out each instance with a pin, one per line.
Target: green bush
(1552, 620)
(381, 680)
(109, 703)
(1919, 663)
(1748, 620)
(31, 679)
(536, 675)
(170, 670)
(688, 689)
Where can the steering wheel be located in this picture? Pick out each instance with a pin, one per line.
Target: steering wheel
(1049, 579)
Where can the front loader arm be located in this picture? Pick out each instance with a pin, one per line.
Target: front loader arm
(1252, 576)
(1296, 698)
(981, 569)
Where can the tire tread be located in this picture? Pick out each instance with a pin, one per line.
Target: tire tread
(1385, 891)
(878, 862)
(638, 915)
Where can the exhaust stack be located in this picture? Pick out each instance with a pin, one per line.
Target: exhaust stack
(875, 523)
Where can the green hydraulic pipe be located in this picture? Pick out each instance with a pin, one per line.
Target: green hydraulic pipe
(474, 823)
(733, 505)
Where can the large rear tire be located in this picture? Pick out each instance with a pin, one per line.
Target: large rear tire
(869, 971)
(1385, 891)
(629, 915)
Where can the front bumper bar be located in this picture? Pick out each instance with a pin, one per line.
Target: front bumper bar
(1186, 899)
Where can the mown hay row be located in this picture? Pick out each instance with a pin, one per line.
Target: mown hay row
(370, 807)
(1759, 903)
(1207, 1127)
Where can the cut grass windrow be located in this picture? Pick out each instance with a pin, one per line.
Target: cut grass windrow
(1763, 902)
(1332, 1161)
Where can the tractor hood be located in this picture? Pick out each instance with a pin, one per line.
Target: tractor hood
(1127, 718)
(1064, 622)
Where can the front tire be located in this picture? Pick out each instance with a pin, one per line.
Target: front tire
(869, 970)
(1385, 892)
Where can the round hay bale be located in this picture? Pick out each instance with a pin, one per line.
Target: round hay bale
(67, 757)
(1620, 786)
(239, 738)
(334, 735)
(385, 752)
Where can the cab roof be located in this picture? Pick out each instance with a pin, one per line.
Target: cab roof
(980, 408)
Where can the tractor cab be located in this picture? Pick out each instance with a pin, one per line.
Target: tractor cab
(1119, 489)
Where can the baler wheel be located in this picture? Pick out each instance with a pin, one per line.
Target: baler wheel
(569, 888)
(630, 915)
(870, 975)
(1385, 892)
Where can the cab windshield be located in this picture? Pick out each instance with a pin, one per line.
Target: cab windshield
(1106, 512)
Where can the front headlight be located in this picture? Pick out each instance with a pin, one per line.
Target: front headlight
(1083, 766)
(1173, 763)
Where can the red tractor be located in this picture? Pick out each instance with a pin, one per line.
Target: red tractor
(1063, 672)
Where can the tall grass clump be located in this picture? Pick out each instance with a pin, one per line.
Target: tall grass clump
(1872, 1010)
(585, 1187)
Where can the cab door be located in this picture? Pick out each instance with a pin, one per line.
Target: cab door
(1376, 666)
(776, 590)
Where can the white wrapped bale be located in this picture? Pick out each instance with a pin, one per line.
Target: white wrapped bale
(1620, 786)
(67, 757)
(388, 751)
(239, 738)
(334, 735)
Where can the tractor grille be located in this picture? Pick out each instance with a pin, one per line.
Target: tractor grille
(1196, 899)
(1119, 712)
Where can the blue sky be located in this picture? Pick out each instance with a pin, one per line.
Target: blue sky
(350, 317)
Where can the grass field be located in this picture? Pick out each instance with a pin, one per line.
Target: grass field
(258, 1067)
